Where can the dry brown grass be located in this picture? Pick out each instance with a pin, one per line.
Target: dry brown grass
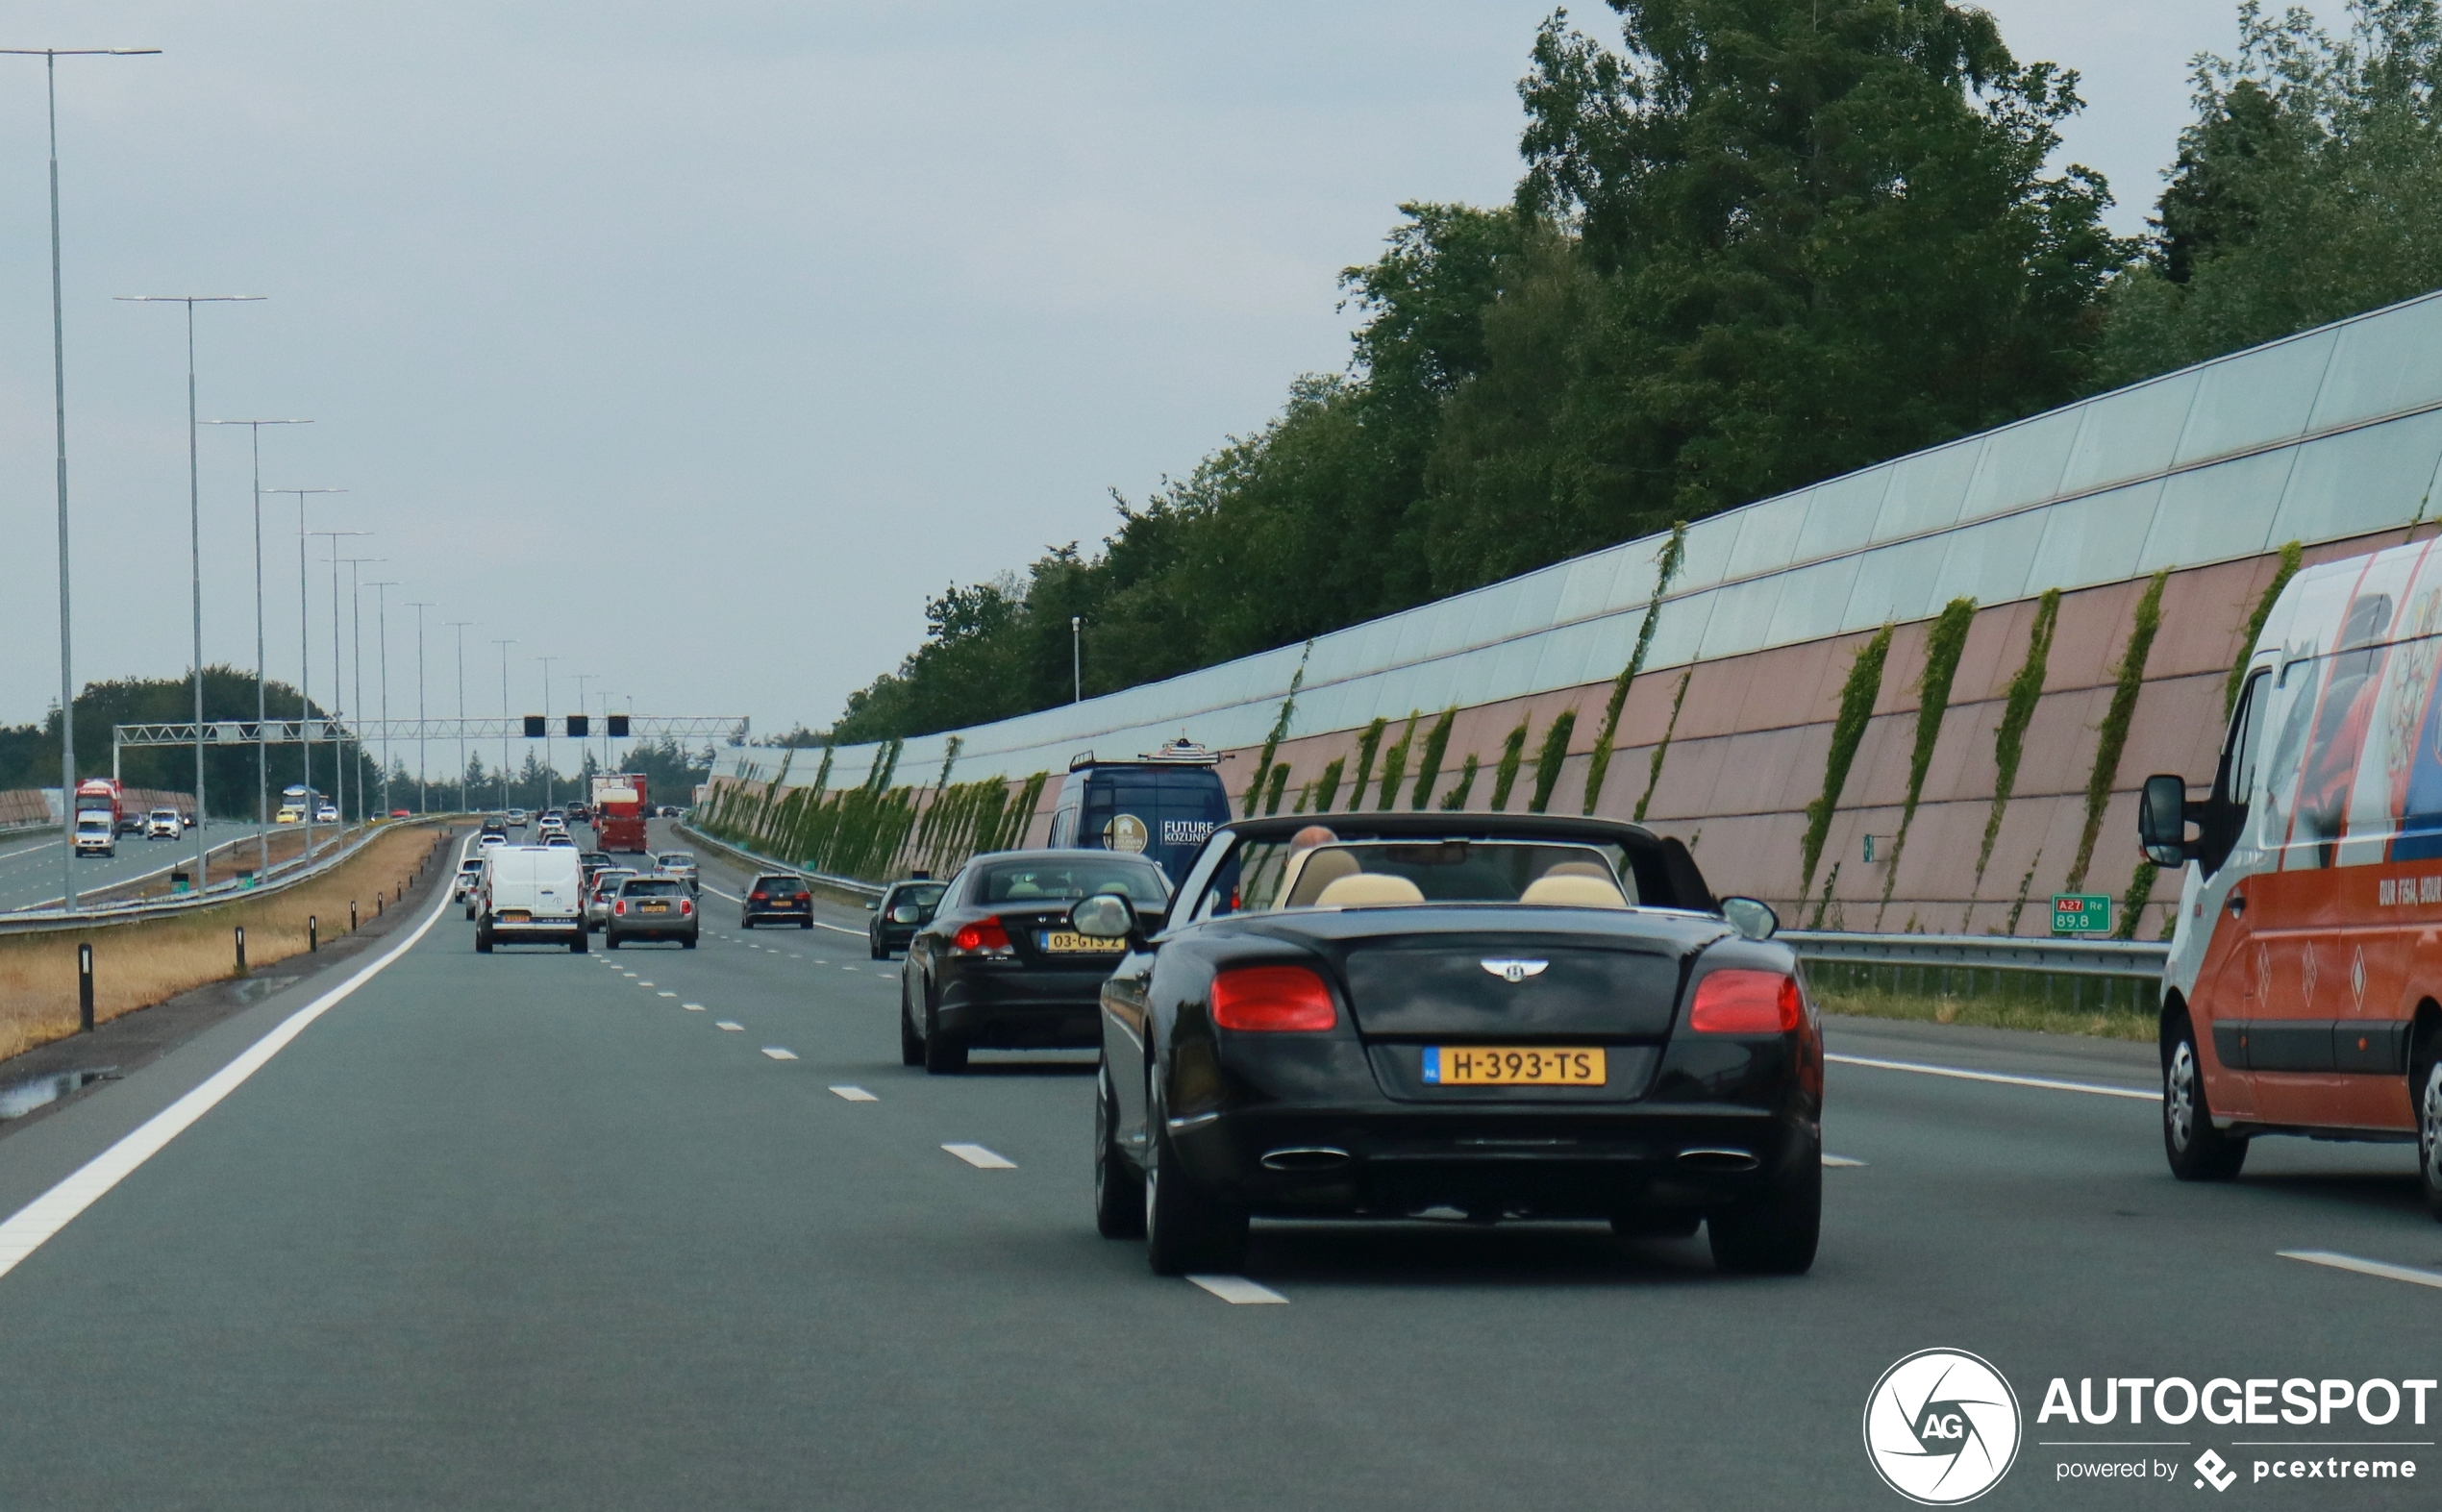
(137, 965)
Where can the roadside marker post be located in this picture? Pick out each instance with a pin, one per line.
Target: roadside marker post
(242, 950)
(85, 989)
(313, 933)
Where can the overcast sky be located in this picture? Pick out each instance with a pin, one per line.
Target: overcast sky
(694, 344)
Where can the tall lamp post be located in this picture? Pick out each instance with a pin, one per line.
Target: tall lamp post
(331, 713)
(195, 551)
(382, 641)
(51, 57)
(1077, 659)
(356, 659)
(423, 779)
(263, 737)
(547, 773)
(460, 626)
(504, 646)
(305, 662)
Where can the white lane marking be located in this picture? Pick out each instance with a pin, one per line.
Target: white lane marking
(1237, 1290)
(841, 928)
(1841, 1161)
(734, 1029)
(627, 973)
(2350, 1262)
(55, 1209)
(853, 1094)
(692, 1008)
(2046, 1082)
(777, 1053)
(847, 967)
(665, 993)
(981, 1158)
(644, 984)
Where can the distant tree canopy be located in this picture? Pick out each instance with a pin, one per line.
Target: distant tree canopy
(1758, 243)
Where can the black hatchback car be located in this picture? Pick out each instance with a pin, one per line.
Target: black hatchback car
(1494, 1016)
(905, 907)
(777, 898)
(1000, 966)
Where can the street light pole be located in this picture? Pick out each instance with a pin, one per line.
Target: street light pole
(504, 646)
(305, 662)
(331, 710)
(263, 736)
(546, 728)
(51, 57)
(195, 552)
(423, 780)
(356, 659)
(382, 630)
(460, 626)
(1077, 657)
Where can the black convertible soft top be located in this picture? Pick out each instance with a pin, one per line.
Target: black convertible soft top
(1667, 875)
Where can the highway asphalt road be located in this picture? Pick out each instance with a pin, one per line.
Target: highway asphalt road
(535, 1229)
(29, 869)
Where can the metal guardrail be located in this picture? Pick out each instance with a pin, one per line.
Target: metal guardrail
(1984, 951)
(32, 921)
(846, 884)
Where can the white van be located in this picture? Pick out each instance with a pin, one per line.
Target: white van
(163, 824)
(2304, 989)
(96, 833)
(530, 894)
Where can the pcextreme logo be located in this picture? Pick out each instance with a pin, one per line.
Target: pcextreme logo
(1942, 1427)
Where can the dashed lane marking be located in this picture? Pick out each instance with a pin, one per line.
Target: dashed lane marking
(853, 1094)
(665, 993)
(1237, 1290)
(733, 1027)
(1955, 1072)
(2350, 1262)
(981, 1158)
(644, 984)
(692, 1008)
(1841, 1161)
(777, 1053)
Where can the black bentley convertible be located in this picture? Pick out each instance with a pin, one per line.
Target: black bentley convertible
(1478, 1015)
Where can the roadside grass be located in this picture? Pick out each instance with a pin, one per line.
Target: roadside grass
(2043, 1003)
(2001, 1013)
(137, 965)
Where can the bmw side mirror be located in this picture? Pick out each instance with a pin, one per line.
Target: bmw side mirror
(2162, 820)
(1105, 916)
(906, 913)
(1751, 917)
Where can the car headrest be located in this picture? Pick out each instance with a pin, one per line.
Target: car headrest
(1368, 889)
(1310, 872)
(1569, 890)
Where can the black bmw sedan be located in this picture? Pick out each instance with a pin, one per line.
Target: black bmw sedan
(999, 966)
(1477, 1015)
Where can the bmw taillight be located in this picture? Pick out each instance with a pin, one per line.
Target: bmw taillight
(1273, 999)
(986, 936)
(1738, 1001)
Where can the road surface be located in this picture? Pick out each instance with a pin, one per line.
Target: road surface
(30, 869)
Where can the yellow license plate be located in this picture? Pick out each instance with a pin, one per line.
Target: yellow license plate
(654, 908)
(515, 916)
(1514, 1066)
(1069, 943)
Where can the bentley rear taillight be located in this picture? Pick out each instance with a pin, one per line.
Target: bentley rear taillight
(1736, 1001)
(1273, 999)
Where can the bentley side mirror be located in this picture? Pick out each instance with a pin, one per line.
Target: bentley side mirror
(2162, 820)
(1751, 917)
(1105, 916)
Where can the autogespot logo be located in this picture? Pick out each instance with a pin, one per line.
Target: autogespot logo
(1942, 1427)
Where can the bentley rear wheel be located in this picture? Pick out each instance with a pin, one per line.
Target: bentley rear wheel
(1119, 1192)
(1187, 1230)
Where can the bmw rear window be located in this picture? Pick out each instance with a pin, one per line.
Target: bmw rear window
(1028, 882)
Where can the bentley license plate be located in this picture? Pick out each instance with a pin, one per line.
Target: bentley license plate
(1067, 942)
(1514, 1066)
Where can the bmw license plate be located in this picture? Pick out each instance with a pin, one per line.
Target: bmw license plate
(1067, 942)
(1514, 1066)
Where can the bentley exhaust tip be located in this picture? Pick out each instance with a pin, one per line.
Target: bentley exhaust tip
(1719, 1159)
(1305, 1157)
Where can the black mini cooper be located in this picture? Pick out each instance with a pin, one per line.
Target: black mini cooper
(1401, 1015)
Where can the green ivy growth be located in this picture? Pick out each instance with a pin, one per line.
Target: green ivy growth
(2290, 556)
(2018, 708)
(1279, 730)
(1456, 800)
(1506, 775)
(1858, 694)
(1395, 764)
(2128, 679)
(1280, 786)
(2132, 903)
(1822, 904)
(1366, 745)
(1943, 645)
(1327, 786)
(1437, 746)
(1653, 768)
(1548, 760)
(1598, 765)
(2019, 908)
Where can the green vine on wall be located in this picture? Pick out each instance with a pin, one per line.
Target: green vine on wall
(1548, 760)
(1366, 745)
(1653, 768)
(1304, 797)
(2132, 903)
(1864, 684)
(2025, 883)
(1279, 731)
(1280, 786)
(2127, 682)
(1456, 800)
(1436, 747)
(2018, 708)
(1943, 645)
(2290, 556)
(1505, 775)
(1674, 551)
(1326, 788)
(1823, 904)
(1395, 764)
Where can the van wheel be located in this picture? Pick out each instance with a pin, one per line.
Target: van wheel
(482, 940)
(577, 946)
(2198, 1152)
(2429, 1131)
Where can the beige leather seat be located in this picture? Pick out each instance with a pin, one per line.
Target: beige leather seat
(1557, 889)
(1368, 890)
(1313, 871)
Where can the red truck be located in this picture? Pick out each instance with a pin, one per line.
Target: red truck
(619, 811)
(99, 814)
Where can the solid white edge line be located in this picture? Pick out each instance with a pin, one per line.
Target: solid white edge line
(981, 1158)
(33, 1224)
(848, 1092)
(777, 1053)
(2046, 1082)
(2350, 1262)
(1237, 1290)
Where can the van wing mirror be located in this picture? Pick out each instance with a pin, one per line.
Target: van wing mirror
(2162, 815)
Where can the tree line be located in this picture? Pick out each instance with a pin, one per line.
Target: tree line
(1756, 243)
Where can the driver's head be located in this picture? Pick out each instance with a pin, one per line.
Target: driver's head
(1312, 835)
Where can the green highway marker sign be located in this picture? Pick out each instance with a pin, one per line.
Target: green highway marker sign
(2081, 913)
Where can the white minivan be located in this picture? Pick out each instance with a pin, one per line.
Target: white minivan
(530, 894)
(96, 833)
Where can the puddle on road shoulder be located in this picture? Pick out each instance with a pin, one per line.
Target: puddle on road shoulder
(17, 1099)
